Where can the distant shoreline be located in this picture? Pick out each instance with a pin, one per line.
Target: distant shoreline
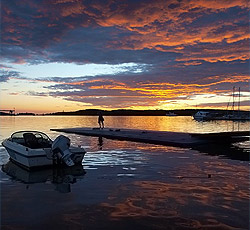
(124, 112)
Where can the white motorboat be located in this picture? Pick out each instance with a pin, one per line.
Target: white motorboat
(36, 149)
(202, 115)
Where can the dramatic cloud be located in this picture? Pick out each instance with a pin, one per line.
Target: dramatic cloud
(180, 47)
(169, 26)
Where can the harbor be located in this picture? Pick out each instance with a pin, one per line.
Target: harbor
(125, 181)
(118, 175)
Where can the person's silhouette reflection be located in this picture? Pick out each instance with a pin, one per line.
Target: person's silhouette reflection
(100, 142)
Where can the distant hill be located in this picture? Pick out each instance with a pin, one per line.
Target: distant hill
(5, 114)
(18, 114)
(25, 114)
(126, 112)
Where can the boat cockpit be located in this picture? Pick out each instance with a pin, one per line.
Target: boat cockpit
(31, 139)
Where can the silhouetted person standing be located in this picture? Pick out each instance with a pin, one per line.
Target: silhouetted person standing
(101, 120)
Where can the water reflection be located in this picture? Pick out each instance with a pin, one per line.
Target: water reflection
(234, 151)
(61, 178)
(134, 185)
(100, 142)
(192, 202)
(161, 123)
(222, 125)
(113, 158)
(238, 151)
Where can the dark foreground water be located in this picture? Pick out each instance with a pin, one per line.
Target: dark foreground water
(127, 185)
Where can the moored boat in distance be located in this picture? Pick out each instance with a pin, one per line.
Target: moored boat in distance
(210, 115)
(201, 115)
(171, 114)
(206, 115)
(35, 149)
(231, 115)
(236, 114)
(236, 117)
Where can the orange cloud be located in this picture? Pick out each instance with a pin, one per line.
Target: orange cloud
(150, 27)
(222, 4)
(162, 25)
(161, 90)
(76, 8)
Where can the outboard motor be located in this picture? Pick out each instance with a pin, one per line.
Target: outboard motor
(60, 146)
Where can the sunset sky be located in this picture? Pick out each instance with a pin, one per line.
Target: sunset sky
(133, 54)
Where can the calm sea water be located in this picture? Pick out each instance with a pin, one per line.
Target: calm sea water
(128, 185)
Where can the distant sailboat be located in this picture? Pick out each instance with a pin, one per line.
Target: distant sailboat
(233, 114)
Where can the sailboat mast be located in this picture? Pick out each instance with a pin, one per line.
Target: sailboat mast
(233, 99)
(239, 102)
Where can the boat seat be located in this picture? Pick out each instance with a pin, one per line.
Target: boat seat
(30, 140)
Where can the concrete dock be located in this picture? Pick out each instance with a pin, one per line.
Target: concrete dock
(177, 139)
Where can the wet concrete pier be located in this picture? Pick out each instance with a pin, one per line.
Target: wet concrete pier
(177, 139)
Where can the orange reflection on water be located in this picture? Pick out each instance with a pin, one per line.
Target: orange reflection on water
(159, 123)
(219, 201)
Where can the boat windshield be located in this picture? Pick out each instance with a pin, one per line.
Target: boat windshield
(21, 134)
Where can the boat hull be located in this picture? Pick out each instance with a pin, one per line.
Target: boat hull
(31, 158)
(202, 116)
